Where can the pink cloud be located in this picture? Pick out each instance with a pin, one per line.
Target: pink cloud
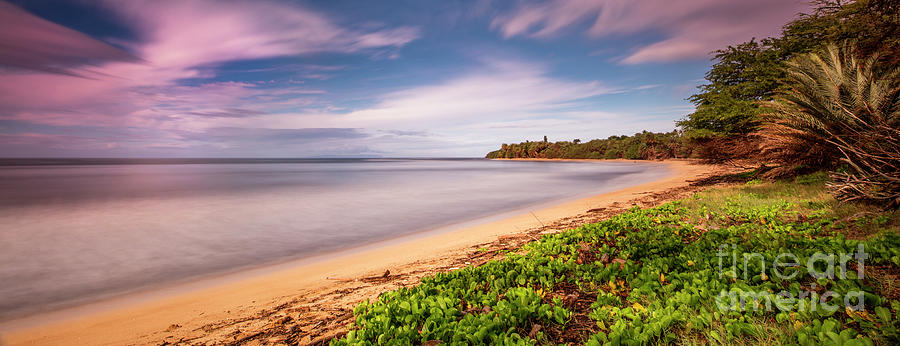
(502, 89)
(692, 28)
(52, 141)
(499, 90)
(32, 43)
(200, 32)
(75, 79)
(546, 19)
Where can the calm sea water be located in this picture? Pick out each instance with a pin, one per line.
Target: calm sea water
(76, 230)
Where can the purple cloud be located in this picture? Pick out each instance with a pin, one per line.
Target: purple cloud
(228, 113)
(73, 79)
(183, 34)
(266, 138)
(32, 43)
(692, 28)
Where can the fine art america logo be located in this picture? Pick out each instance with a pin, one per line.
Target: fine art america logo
(822, 267)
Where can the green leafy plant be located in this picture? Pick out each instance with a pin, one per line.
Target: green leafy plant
(653, 275)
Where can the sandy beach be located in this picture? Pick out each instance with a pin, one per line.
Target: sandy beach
(310, 300)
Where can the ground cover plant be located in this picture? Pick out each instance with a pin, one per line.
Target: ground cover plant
(666, 275)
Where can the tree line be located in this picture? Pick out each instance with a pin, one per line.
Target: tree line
(640, 146)
(822, 95)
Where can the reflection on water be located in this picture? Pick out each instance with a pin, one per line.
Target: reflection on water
(75, 230)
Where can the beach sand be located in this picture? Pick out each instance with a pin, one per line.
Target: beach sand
(311, 300)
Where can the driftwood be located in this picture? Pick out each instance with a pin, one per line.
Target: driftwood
(386, 276)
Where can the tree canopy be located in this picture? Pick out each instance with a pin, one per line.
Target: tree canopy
(750, 72)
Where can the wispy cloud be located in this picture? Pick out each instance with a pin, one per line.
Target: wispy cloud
(691, 28)
(32, 43)
(184, 34)
(65, 78)
(178, 40)
(499, 89)
(266, 136)
(502, 100)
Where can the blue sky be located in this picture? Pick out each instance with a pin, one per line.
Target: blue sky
(272, 78)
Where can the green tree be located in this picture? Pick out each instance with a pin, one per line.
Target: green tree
(753, 71)
(742, 75)
(873, 24)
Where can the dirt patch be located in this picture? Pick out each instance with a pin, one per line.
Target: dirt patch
(885, 279)
(579, 303)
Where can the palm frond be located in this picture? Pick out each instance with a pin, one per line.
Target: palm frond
(837, 110)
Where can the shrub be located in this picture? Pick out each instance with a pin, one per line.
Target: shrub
(837, 110)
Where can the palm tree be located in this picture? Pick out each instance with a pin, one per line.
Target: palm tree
(837, 110)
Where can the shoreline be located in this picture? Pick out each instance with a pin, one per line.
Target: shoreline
(114, 300)
(187, 312)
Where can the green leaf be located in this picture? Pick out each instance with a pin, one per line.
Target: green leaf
(714, 335)
(802, 338)
(884, 314)
(781, 317)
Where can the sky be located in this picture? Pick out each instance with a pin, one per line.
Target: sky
(407, 78)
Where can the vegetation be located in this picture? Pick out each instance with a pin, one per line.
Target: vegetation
(654, 275)
(728, 104)
(640, 146)
(839, 109)
(745, 74)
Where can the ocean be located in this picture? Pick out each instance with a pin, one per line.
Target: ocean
(77, 230)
